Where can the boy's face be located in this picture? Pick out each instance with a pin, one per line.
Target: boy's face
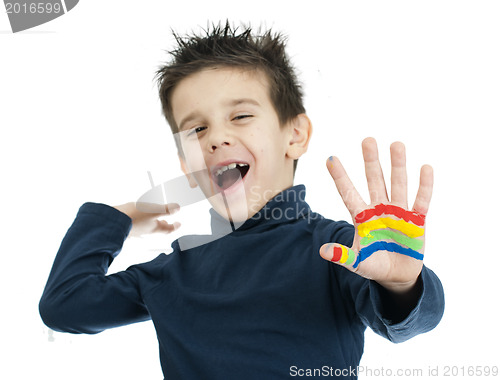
(231, 139)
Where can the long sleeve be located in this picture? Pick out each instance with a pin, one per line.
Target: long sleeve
(370, 301)
(79, 297)
(425, 315)
(371, 306)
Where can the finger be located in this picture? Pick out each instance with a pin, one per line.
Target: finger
(157, 209)
(399, 180)
(346, 189)
(424, 193)
(163, 226)
(374, 174)
(339, 254)
(172, 208)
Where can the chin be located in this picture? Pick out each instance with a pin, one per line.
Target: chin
(233, 207)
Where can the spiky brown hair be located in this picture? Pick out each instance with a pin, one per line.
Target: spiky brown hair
(226, 46)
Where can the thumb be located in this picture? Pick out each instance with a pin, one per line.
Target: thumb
(339, 254)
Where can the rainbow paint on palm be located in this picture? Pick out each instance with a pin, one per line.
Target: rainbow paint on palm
(403, 231)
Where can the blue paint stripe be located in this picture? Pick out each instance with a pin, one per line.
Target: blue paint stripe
(367, 251)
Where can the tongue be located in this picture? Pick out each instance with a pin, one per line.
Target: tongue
(228, 178)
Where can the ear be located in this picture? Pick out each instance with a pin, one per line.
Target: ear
(187, 173)
(300, 134)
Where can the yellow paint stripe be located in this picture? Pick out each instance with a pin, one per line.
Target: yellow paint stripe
(408, 229)
(345, 255)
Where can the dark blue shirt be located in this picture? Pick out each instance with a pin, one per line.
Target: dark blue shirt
(259, 302)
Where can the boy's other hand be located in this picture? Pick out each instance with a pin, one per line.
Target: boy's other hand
(388, 245)
(144, 222)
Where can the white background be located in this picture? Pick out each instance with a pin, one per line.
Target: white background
(80, 121)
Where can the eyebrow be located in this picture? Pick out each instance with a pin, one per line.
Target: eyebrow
(231, 103)
(237, 102)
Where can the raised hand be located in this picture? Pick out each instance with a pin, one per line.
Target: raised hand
(388, 245)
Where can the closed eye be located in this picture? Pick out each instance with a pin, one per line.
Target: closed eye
(241, 117)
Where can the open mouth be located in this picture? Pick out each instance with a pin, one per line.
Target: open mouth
(226, 176)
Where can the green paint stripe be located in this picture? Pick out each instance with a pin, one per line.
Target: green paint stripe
(393, 235)
(351, 257)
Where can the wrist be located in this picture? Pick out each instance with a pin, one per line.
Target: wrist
(127, 209)
(399, 288)
(401, 298)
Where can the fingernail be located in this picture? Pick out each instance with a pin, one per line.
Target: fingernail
(326, 247)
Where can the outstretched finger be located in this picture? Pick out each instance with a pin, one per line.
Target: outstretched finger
(346, 189)
(374, 174)
(424, 193)
(399, 180)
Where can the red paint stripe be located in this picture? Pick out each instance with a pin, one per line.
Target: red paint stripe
(337, 253)
(408, 216)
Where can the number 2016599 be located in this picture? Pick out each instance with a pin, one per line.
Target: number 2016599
(471, 371)
(33, 8)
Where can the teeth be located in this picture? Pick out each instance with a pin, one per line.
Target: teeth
(227, 167)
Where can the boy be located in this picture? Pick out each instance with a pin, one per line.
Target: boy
(263, 301)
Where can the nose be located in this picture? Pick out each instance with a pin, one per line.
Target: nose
(219, 137)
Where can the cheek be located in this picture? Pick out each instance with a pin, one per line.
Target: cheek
(195, 159)
(195, 165)
(267, 148)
